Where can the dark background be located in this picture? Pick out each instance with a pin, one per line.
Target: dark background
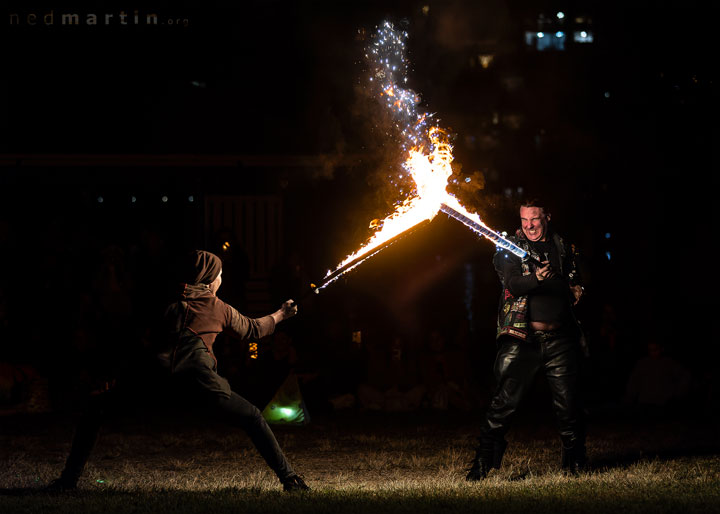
(268, 99)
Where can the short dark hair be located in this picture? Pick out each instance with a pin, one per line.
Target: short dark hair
(536, 202)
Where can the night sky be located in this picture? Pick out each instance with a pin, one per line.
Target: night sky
(615, 134)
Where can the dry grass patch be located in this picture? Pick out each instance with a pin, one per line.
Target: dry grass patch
(359, 468)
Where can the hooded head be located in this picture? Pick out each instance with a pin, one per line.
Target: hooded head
(201, 267)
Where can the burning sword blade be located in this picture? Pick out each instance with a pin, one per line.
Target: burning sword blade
(498, 239)
(332, 277)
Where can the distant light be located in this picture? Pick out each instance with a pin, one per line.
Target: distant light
(164, 199)
(100, 199)
(486, 60)
(191, 198)
(559, 33)
(607, 94)
(540, 34)
(607, 254)
(560, 15)
(520, 190)
(583, 36)
(287, 411)
(100, 481)
(607, 235)
(467, 180)
(133, 199)
(426, 10)
(226, 246)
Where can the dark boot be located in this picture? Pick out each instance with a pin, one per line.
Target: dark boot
(294, 483)
(487, 456)
(86, 435)
(574, 459)
(480, 468)
(61, 485)
(84, 441)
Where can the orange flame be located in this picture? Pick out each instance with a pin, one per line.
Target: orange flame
(431, 172)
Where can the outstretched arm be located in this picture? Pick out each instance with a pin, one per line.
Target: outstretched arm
(286, 310)
(257, 328)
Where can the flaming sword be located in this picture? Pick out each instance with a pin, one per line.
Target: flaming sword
(480, 229)
(334, 275)
(498, 239)
(428, 162)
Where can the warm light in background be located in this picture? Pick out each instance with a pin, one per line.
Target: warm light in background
(485, 60)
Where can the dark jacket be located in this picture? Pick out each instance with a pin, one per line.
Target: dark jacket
(193, 323)
(512, 314)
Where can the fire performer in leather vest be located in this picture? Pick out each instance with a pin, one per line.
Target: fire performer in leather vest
(191, 326)
(536, 331)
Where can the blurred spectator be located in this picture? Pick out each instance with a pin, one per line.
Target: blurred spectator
(340, 363)
(392, 380)
(465, 391)
(609, 366)
(236, 263)
(657, 380)
(113, 321)
(435, 371)
(113, 287)
(283, 350)
(22, 389)
(444, 378)
(149, 258)
(260, 377)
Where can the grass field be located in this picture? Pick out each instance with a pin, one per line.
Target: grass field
(361, 463)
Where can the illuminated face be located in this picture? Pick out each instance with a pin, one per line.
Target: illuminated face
(215, 284)
(534, 223)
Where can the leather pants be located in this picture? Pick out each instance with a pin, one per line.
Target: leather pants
(557, 354)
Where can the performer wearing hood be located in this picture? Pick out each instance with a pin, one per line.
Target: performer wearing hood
(192, 324)
(536, 331)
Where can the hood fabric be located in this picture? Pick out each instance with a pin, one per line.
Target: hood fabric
(201, 267)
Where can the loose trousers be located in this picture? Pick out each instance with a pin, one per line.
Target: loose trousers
(235, 411)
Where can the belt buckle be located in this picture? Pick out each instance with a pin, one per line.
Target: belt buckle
(542, 336)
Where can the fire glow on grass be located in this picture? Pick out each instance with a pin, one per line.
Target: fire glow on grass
(429, 156)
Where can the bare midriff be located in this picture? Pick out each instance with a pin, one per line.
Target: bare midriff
(545, 326)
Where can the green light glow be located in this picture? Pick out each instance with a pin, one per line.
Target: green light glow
(286, 407)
